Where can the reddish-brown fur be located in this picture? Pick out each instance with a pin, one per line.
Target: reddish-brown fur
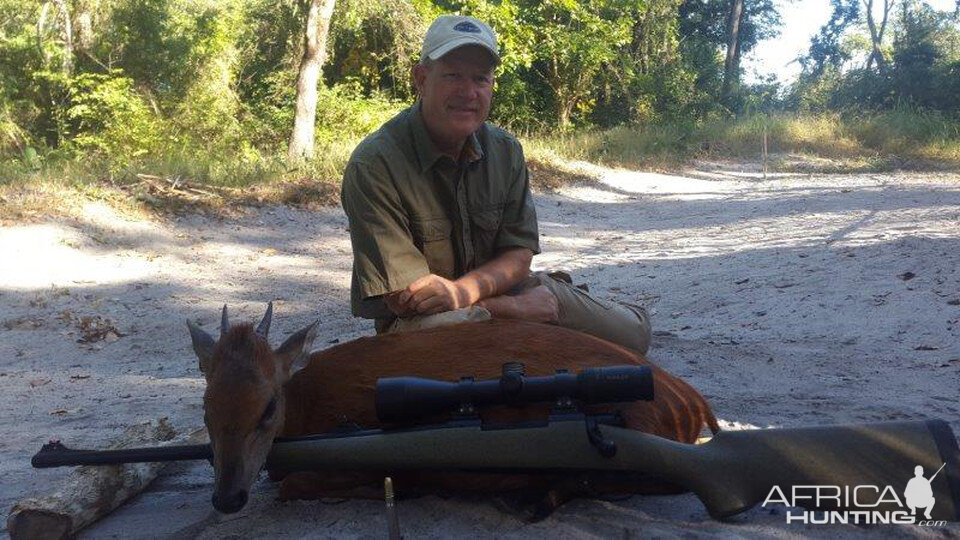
(338, 385)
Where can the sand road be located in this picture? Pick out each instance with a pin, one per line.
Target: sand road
(795, 300)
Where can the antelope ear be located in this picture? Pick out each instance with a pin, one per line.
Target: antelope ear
(293, 355)
(203, 346)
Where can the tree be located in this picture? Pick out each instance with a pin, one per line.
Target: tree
(314, 49)
(731, 66)
(573, 42)
(876, 36)
(705, 36)
(825, 49)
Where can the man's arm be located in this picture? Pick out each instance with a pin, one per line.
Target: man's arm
(385, 258)
(434, 294)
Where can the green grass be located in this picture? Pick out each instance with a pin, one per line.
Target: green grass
(190, 178)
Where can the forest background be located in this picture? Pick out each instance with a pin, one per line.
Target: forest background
(233, 97)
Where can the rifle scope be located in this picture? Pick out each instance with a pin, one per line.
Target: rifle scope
(401, 399)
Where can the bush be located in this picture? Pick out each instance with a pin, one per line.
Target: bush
(104, 117)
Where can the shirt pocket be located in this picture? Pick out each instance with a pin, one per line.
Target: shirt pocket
(434, 238)
(486, 226)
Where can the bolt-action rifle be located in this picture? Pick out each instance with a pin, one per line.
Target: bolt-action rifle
(730, 473)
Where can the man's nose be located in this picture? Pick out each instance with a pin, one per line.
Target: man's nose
(468, 89)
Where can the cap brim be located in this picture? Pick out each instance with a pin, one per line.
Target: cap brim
(442, 50)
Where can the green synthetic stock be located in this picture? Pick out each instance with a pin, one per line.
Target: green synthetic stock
(731, 473)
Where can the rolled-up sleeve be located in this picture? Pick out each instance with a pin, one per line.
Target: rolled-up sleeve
(385, 258)
(519, 225)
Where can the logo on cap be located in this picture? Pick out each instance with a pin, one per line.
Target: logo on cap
(467, 26)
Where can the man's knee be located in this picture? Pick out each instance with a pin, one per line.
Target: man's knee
(535, 303)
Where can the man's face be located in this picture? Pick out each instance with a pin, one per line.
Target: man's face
(455, 93)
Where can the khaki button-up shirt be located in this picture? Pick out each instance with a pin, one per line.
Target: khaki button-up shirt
(415, 211)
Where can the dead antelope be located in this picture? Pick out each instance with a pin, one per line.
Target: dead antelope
(253, 396)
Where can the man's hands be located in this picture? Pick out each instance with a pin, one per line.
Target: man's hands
(426, 296)
(434, 294)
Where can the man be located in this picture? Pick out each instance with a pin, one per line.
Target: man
(442, 223)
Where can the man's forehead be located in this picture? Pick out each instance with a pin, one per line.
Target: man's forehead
(469, 56)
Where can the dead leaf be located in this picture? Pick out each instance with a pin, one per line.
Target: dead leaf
(95, 328)
(907, 276)
(59, 412)
(926, 348)
(22, 323)
(742, 281)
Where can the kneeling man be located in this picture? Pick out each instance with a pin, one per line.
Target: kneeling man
(442, 222)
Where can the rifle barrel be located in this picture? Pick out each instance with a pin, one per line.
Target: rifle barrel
(55, 454)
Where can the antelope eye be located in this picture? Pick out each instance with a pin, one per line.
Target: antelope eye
(269, 411)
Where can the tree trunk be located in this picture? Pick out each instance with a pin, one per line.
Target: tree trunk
(67, 65)
(41, 22)
(91, 492)
(876, 37)
(84, 26)
(731, 66)
(314, 50)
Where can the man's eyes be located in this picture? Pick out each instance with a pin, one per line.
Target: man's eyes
(480, 79)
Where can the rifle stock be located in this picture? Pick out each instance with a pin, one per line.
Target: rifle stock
(731, 473)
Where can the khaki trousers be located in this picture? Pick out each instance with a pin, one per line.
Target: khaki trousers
(623, 324)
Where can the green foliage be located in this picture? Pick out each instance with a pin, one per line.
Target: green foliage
(208, 109)
(924, 55)
(344, 113)
(102, 116)
(376, 44)
(205, 89)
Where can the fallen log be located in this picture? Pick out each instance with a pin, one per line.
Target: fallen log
(90, 493)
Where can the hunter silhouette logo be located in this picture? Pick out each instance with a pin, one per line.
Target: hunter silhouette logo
(866, 504)
(918, 492)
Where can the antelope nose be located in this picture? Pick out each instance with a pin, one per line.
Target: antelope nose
(229, 503)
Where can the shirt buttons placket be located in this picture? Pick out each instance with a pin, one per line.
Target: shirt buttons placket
(468, 254)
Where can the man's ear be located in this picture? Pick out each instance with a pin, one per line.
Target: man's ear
(203, 346)
(419, 75)
(293, 355)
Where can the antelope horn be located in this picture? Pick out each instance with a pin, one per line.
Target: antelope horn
(264, 327)
(224, 321)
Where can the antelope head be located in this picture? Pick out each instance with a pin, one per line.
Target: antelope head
(244, 401)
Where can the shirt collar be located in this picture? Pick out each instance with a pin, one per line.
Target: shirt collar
(427, 152)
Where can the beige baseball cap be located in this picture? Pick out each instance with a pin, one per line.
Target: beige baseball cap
(449, 32)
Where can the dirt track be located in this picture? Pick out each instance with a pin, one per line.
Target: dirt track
(791, 301)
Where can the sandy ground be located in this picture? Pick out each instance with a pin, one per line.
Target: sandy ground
(796, 300)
